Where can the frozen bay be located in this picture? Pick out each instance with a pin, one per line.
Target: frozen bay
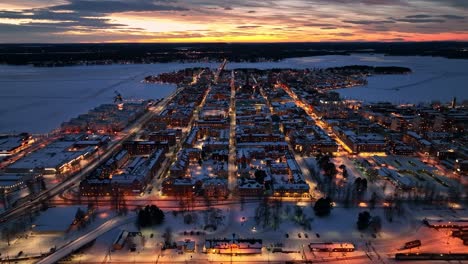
(38, 100)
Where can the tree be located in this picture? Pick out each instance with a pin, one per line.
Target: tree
(167, 237)
(376, 224)
(6, 234)
(322, 160)
(156, 215)
(364, 184)
(260, 176)
(80, 214)
(43, 185)
(373, 200)
(372, 174)
(330, 169)
(150, 216)
(347, 197)
(363, 220)
(323, 207)
(345, 173)
(190, 218)
(357, 183)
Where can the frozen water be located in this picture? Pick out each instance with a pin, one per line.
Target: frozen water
(38, 100)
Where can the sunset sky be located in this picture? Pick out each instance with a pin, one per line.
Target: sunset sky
(70, 21)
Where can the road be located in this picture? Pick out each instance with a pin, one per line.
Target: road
(232, 168)
(88, 237)
(127, 133)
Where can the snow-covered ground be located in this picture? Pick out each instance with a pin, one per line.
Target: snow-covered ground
(432, 79)
(38, 100)
(34, 243)
(340, 226)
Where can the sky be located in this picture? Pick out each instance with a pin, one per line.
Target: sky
(85, 21)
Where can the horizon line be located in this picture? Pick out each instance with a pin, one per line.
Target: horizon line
(238, 42)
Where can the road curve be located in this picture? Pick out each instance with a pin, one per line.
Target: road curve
(86, 238)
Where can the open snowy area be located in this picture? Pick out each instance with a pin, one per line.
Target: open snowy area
(38, 100)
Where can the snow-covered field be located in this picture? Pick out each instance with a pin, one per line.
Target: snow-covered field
(38, 100)
(432, 79)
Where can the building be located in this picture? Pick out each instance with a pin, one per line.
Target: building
(11, 182)
(169, 135)
(362, 142)
(250, 188)
(60, 156)
(178, 187)
(215, 188)
(132, 181)
(331, 247)
(136, 147)
(233, 246)
(10, 145)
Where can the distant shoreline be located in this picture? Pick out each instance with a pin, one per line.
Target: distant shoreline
(60, 55)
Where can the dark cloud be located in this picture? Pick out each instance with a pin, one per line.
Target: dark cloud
(363, 2)
(248, 27)
(28, 29)
(318, 25)
(83, 14)
(425, 16)
(415, 20)
(392, 39)
(343, 34)
(452, 17)
(454, 3)
(328, 28)
(251, 11)
(368, 22)
(419, 16)
(116, 6)
(380, 28)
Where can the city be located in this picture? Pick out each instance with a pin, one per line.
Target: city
(246, 165)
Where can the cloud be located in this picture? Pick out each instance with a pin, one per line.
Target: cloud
(248, 27)
(368, 22)
(418, 16)
(116, 6)
(82, 15)
(452, 17)
(415, 20)
(454, 3)
(391, 39)
(343, 34)
(425, 16)
(362, 2)
(318, 25)
(299, 19)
